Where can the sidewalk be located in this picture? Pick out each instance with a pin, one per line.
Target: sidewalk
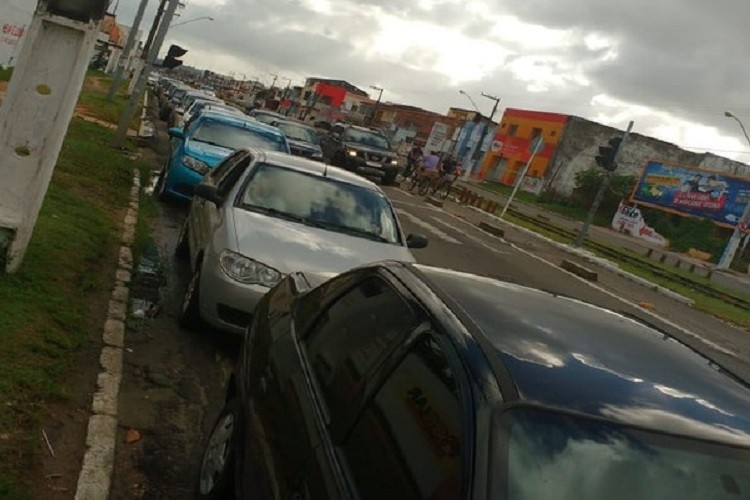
(606, 236)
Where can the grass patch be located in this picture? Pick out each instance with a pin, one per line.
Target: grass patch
(43, 325)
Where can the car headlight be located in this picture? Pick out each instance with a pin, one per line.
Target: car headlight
(394, 162)
(352, 152)
(194, 164)
(246, 270)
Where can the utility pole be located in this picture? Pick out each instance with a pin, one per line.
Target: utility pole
(477, 156)
(603, 188)
(122, 64)
(36, 112)
(140, 63)
(538, 145)
(140, 86)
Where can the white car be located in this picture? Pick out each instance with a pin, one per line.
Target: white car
(259, 216)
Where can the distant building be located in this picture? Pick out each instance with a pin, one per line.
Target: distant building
(571, 143)
(330, 100)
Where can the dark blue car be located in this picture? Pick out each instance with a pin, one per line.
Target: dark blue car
(406, 382)
(205, 142)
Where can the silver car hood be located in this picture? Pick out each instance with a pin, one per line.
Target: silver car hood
(290, 246)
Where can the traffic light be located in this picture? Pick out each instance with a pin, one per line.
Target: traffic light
(171, 61)
(607, 154)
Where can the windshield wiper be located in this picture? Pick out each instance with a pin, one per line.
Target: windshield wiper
(357, 232)
(211, 143)
(285, 215)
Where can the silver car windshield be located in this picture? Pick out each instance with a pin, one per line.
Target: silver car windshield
(321, 202)
(228, 135)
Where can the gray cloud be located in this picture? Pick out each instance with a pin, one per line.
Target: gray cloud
(687, 57)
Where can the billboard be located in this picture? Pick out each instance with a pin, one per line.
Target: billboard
(690, 191)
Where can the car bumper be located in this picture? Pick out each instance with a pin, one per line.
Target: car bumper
(225, 303)
(371, 171)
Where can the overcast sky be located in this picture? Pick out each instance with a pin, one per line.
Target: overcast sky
(672, 66)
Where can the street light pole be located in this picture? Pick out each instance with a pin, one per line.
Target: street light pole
(730, 250)
(209, 18)
(123, 62)
(140, 86)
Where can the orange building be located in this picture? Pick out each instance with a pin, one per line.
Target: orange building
(511, 147)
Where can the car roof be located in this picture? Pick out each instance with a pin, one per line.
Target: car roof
(298, 124)
(241, 120)
(315, 167)
(564, 353)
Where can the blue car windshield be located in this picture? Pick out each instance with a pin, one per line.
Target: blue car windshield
(321, 202)
(230, 136)
(551, 455)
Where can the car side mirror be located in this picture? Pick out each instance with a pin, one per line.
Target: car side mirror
(176, 132)
(416, 241)
(208, 192)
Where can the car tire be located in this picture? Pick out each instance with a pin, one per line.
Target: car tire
(182, 248)
(190, 316)
(390, 178)
(216, 475)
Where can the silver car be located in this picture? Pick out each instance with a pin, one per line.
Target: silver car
(261, 215)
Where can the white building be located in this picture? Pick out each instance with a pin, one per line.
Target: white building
(15, 17)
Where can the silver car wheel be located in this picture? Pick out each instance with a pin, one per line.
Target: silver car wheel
(216, 456)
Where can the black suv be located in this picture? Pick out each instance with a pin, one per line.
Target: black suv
(403, 382)
(361, 150)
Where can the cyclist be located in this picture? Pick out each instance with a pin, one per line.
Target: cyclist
(413, 159)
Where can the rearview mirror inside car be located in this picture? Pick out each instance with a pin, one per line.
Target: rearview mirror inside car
(176, 132)
(207, 192)
(416, 241)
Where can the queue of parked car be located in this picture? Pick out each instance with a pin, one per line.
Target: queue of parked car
(364, 375)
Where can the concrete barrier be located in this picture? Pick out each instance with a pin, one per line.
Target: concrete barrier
(493, 230)
(579, 270)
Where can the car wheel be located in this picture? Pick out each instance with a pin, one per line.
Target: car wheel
(390, 179)
(190, 315)
(216, 478)
(182, 249)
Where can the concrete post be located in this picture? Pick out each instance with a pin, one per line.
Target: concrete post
(34, 118)
(137, 70)
(142, 79)
(132, 36)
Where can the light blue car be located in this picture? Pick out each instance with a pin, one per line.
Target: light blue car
(205, 142)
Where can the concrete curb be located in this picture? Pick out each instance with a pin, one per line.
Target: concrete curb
(594, 259)
(95, 478)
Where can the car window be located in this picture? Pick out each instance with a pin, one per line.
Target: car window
(352, 336)
(366, 138)
(297, 132)
(321, 201)
(406, 444)
(235, 136)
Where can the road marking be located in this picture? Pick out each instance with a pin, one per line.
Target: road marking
(471, 237)
(426, 225)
